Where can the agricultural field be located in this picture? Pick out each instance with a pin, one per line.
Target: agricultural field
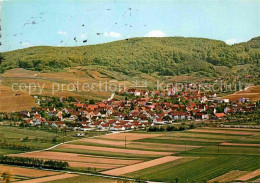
(14, 101)
(21, 174)
(30, 175)
(253, 93)
(203, 154)
(14, 139)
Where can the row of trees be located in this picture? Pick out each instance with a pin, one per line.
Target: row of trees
(33, 162)
(170, 128)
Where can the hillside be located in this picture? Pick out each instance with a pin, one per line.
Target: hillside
(166, 56)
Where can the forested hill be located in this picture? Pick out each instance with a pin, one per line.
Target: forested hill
(167, 56)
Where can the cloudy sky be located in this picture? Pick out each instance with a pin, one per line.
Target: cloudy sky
(26, 23)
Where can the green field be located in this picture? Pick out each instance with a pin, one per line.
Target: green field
(198, 170)
(31, 137)
(84, 179)
(206, 163)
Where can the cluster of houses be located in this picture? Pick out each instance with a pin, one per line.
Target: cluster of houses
(141, 112)
(172, 92)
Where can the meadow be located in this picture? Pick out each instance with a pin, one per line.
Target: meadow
(15, 139)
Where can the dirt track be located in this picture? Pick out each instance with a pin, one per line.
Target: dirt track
(140, 166)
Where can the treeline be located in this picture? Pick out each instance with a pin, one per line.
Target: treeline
(167, 56)
(33, 162)
(170, 128)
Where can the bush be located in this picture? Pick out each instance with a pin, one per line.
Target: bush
(170, 128)
(192, 126)
(181, 128)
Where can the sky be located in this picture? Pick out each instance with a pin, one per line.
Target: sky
(26, 23)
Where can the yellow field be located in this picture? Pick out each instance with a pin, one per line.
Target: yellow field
(14, 101)
(253, 93)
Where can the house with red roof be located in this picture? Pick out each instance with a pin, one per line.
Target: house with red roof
(220, 115)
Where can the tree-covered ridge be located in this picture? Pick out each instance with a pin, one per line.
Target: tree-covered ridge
(167, 56)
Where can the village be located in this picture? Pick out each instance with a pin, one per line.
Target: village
(138, 109)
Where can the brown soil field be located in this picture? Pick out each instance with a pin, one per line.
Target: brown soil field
(76, 157)
(92, 165)
(129, 136)
(238, 144)
(232, 175)
(108, 149)
(47, 179)
(253, 93)
(204, 130)
(249, 175)
(140, 166)
(25, 171)
(9, 102)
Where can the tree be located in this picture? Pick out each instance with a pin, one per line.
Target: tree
(177, 180)
(91, 101)
(25, 139)
(54, 140)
